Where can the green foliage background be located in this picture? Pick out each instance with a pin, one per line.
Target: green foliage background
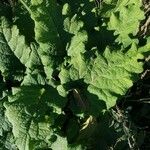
(66, 71)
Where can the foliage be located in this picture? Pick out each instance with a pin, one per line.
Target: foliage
(61, 75)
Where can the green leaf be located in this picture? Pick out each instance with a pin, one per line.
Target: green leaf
(108, 76)
(75, 50)
(146, 47)
(7, 46)
(10, 142)
(44, 14)
(6, 137)
(60, 143)
(4, 124)
(113, 73)
(31, 111)
(24, 23)
(124, 22)
(13, 48)
(86, 11)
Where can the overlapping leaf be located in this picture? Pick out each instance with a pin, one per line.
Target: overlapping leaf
(109, 75)
(16, 55)
(47, 19)
(95, 80)
(7, 140)
(32, 111)
(7, 55)
(113, 73)
(122, 19)
(75, 49)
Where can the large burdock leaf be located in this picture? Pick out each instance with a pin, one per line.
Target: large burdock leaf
(47, 19)
(6, 50)
(16, 55)
(113, 73)
(108, 76)
(31, 111)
